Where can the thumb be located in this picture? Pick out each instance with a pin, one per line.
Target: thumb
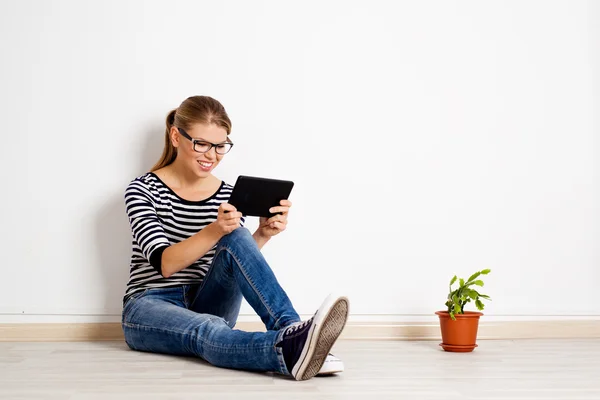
(225, 207)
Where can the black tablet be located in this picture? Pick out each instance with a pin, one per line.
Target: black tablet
(254, 196)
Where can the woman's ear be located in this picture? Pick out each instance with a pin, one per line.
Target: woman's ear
(174, 136)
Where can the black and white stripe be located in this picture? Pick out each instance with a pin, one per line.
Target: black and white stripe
(159, 218)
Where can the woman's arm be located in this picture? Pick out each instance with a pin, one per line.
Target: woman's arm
(260, 239)
(183, 254)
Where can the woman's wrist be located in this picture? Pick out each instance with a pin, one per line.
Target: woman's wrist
(213, 231)
(260, 238)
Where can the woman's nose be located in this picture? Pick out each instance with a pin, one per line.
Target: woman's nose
(212, 153)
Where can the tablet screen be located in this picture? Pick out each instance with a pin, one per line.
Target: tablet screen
(254, 196)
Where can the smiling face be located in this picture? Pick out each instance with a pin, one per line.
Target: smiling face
(200, 164)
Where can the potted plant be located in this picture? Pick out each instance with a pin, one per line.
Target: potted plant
(459, 327)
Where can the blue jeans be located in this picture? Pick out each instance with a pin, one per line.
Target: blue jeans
(198, 320)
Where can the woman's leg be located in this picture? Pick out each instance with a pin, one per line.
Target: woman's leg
(239, 269)
(158, 321)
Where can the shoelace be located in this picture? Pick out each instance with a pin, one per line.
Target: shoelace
(297, 326)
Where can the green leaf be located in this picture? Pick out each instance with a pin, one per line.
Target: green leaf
(486, 271)
(478, 283)
(455, 300)
(457, 309)
(479, 304)
(475, 275)
(453, 280)
(485, 296)
(473, 294)
(462, 282)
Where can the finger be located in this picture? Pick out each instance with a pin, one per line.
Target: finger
(232, 222)
(286, 203)
(282, 209)
(274, 224)
(274, 219)
(224, 207)
(233, 215)
(278, 225)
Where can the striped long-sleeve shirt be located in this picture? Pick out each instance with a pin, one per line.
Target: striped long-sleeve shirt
(158, 218)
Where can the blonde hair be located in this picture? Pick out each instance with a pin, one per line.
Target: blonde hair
(193, 110)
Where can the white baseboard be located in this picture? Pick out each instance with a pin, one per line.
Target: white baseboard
(355, 330)
(70, 318)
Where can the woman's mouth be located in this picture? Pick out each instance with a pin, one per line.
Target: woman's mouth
(205, 166)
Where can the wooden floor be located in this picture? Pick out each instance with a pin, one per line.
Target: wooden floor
(526, 369)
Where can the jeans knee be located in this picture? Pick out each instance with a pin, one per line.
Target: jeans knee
(241, 232)
(231, 320)
(214, 327)
(240, 237)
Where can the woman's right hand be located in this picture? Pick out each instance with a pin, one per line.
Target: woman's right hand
(228, 219)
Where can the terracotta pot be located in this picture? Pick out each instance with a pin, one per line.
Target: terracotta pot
(459, 335)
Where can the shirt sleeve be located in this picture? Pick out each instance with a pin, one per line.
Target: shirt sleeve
(145, 225)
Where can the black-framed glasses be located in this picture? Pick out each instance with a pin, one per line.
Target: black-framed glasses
(202, 146)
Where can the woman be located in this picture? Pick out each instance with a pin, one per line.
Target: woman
(193, 261)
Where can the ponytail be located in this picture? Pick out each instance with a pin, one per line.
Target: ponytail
(169, 152)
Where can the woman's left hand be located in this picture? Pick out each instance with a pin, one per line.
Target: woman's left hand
(276, 224)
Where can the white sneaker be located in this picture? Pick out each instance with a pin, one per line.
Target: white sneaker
(332, 365)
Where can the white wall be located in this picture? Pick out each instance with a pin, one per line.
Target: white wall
(425, 139)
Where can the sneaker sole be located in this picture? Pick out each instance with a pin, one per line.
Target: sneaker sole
(328, 326)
